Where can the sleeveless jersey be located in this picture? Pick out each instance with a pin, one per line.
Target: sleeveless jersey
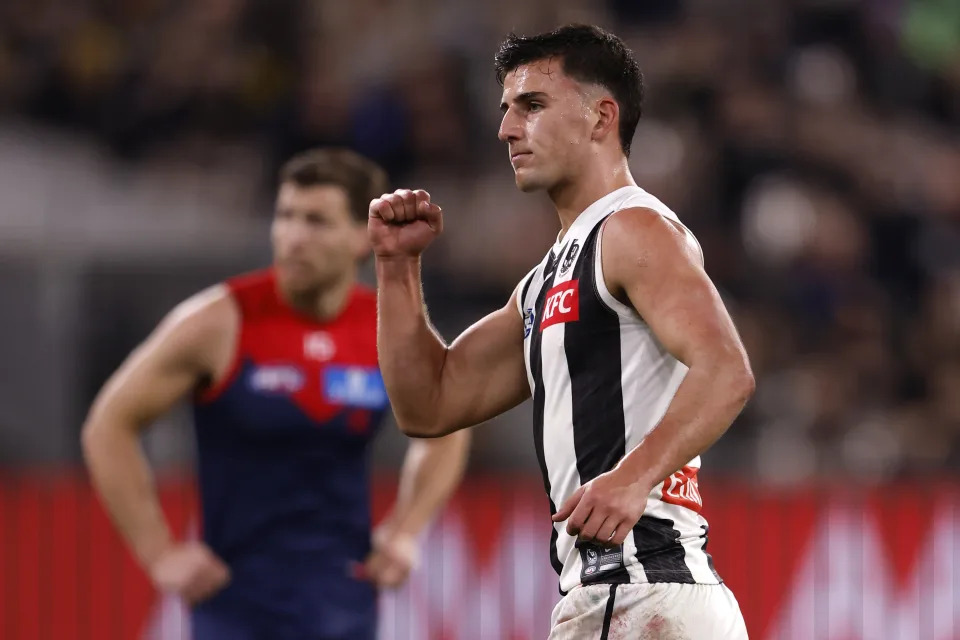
(600, 382)
(283, 448)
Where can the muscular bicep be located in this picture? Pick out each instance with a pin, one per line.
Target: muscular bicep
(170, 364)
(650, 263)
(484, 372)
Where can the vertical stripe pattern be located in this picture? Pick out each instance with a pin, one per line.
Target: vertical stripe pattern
(600, 381)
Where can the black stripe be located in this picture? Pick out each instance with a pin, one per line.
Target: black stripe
(592, 346)
(536, 370)
(660, 551)
(608, 614)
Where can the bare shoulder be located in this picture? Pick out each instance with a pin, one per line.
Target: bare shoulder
(639, 234)
(208, 311)
(640, 246)
(200, 329)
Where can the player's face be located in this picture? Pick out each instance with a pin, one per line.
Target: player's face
(315, 239)
(546, 124)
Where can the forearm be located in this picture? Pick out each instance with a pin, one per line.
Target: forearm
(411, 353)
(431, 473)
(122, 478)
(705, 405)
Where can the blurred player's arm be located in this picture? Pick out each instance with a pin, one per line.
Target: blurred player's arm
(431, 472)
(436, 389)
(168, 366)
(649, 262)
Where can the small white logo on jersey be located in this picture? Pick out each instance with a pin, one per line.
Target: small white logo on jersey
(279, 379)
(319, 346)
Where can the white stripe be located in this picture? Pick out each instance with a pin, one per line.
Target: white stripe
(529, 302)
(559, 452)
(634, 566)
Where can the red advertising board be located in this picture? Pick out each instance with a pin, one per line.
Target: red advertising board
(825, 563)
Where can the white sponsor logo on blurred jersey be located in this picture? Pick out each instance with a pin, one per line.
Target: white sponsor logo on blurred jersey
(280, 378)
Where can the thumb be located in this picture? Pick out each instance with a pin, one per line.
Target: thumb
(571, 503)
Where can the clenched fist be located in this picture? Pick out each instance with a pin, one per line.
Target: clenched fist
(393, 556)
(403, 223)
(190, 570)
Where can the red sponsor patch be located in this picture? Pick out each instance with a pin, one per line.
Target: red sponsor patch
(562, 304)
(682, 489)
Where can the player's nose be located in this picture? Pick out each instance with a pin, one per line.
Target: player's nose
(510, 129)
(295, 238)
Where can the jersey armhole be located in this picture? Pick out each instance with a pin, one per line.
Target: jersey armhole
(522, 288)
(600, 282)
(215, 389)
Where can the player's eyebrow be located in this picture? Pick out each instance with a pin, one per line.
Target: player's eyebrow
(525, 97)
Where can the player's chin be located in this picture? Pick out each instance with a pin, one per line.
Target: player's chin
(298, 281)
(527, 183)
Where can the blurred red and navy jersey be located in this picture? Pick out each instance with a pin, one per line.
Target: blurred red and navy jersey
(283, 447)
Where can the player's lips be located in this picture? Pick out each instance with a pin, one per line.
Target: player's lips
(518, 156)
(293, 265)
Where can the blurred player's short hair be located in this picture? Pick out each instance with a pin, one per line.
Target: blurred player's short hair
(589, 55)
(362, 178)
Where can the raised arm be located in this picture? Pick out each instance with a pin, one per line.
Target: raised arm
(168, 366)
(434, 388)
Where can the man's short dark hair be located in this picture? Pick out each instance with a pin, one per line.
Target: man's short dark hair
(588, 54)
(362, 178)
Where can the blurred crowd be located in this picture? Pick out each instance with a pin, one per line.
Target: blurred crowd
(812, 145)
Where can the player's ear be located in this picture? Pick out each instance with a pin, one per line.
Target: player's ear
(608, 118)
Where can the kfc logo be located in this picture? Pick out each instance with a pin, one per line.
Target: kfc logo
(562, 304)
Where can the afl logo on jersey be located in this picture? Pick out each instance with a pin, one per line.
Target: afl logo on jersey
(562, 304)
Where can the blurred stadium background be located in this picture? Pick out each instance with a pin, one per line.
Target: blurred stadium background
(812, 145)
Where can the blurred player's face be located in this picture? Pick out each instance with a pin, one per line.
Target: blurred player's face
(316, 242)
(547, 124)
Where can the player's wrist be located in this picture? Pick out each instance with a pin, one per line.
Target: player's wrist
(635, 473)
(397, 261)
(398, 543)
(151, 552)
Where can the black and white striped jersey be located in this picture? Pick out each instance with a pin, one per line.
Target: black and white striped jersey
(600, 382)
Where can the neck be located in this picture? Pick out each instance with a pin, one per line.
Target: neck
(326, 301)
(596, 180)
